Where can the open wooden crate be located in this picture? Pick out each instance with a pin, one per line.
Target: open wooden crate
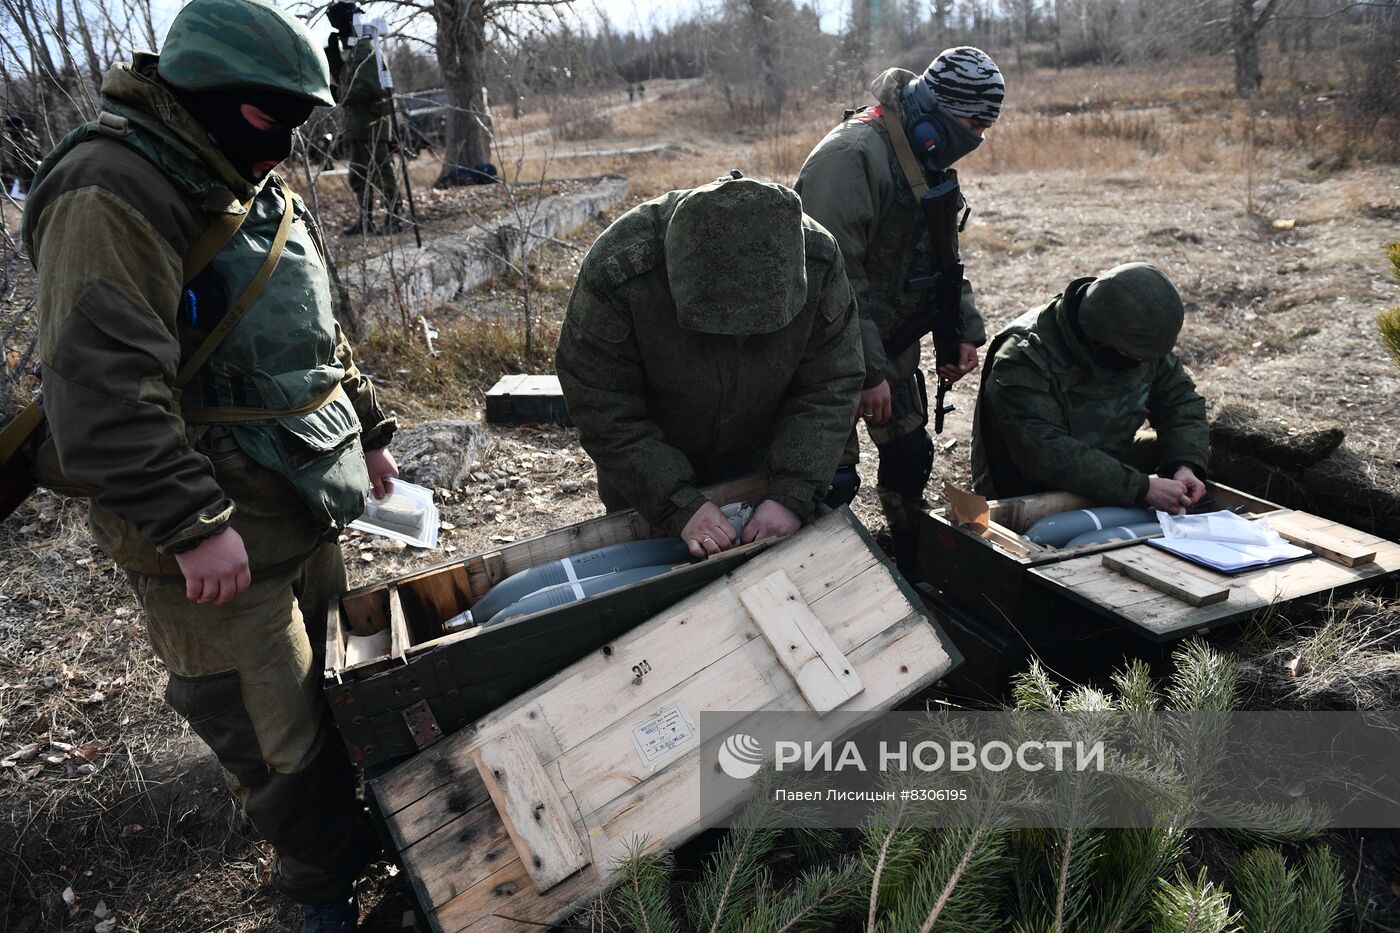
(1045, 592)
(428, 684)
(515, 822)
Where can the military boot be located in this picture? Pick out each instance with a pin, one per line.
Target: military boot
(362, 226)
(392, 224)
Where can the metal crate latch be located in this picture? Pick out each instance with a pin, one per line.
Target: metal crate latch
(421, 724)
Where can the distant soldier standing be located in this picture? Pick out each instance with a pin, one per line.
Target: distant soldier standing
(21, 153)
(710, 334)
(368, 131)
(201, 395)
(1069, 386)
(860, 183)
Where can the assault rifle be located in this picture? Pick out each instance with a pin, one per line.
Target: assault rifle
(940, 308)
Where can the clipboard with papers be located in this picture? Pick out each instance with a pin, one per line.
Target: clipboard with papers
(1229, 556)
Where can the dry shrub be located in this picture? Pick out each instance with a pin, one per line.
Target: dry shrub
(473, 351)
(593, 124)
(1348, 657)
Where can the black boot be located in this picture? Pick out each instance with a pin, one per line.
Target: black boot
(363, 225)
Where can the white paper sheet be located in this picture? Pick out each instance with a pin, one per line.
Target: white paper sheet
(1229, 557)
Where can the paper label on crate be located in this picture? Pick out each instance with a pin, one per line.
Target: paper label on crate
(664, 734)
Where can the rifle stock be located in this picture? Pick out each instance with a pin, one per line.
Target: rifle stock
(940, 310)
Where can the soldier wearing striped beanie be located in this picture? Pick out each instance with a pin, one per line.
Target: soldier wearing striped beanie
(950, 106)
(860, 184)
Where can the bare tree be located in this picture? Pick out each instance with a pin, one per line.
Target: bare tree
(762, 17)
(1246, 22)
(463, 28)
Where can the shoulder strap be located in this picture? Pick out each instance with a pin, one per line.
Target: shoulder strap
(18, 430)
(913, 172)
(214, 238)
(250, 294)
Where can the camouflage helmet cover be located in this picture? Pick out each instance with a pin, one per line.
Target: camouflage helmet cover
(736, 257)
(226, 44)
(1135, 309)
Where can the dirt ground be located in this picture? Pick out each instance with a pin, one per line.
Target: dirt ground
(112, 816)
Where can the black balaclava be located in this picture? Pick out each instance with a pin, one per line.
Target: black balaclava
(244, 145)
(936, 137)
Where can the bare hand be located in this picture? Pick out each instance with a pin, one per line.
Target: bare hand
(381, 466)
(771, 520)
(875, 404)
(216, 570)
(1195, 489)
(708, 531)
(967, 362)
(1169, 495)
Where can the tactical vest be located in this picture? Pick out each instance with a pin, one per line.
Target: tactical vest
(902, 247)
(275, 379)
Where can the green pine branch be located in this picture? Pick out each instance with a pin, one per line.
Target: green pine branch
(1185, 905)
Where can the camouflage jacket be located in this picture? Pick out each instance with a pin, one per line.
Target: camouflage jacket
(852, 184)
(362, 97)
(107, 226)
(663, 410)
(1048, 417)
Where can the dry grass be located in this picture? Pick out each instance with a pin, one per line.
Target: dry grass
(1345, 657)
(150, 830)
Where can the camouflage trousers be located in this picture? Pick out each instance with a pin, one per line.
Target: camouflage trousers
(372, 170)
(246, 676)
(901, 456)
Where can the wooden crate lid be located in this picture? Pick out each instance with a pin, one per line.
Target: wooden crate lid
(569, 785)
(1165, 597)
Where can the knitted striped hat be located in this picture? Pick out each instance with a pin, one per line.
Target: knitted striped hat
(967, 83)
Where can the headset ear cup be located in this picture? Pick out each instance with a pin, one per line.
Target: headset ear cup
(925, 138)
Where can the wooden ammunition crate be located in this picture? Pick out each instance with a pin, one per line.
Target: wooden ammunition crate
(428, 685)
(1048, 595)
(516, 822)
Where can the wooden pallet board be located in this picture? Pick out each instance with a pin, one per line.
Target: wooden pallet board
(706, 652)
(1161, 615)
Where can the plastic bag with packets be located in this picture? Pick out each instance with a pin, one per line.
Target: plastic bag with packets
(407, 514)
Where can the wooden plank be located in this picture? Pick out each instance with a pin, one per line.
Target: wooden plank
(433, 598)
(819, 559)
(802, 644)
(1177, 581)
(585, 536)
(605, 767)
(1320, 541)
(398, 626)
(1021, 512)
(663, 808)
(534, 816)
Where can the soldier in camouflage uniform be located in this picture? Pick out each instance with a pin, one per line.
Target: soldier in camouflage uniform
(20, 154)
(1069, 385)
(223, 501)
(854, 184)
(368, 131)
(711, 333)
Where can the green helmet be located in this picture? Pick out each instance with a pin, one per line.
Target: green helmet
(1135, 309)
(226, 44)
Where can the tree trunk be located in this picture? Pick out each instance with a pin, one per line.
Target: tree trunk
(461, 51)
(766, 48)
(1246, 41)
(1245, 26)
